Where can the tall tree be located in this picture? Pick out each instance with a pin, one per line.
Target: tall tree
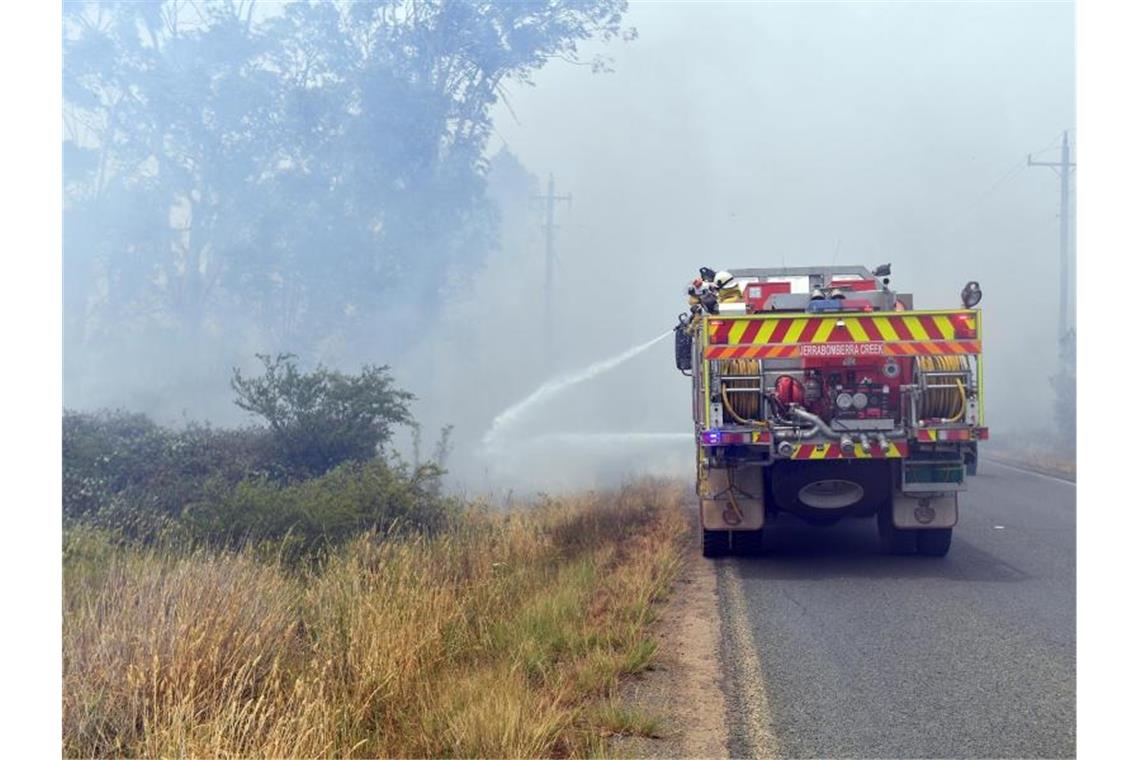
(291, 170)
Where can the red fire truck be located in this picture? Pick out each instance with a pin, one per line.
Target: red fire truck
(821, 392)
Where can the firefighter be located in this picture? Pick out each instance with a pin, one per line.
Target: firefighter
(727, 289)
(701, 297)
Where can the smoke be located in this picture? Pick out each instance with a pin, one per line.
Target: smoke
(815, 133)
(788, 134)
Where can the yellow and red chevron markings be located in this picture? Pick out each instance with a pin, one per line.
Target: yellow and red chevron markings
(888, 334)
(895, 450)
(928, 435)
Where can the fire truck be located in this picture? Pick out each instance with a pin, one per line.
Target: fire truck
(822, 393)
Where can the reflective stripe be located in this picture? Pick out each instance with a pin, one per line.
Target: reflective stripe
(885, 328)
(914, 326)
(855, 327)
(944, 327)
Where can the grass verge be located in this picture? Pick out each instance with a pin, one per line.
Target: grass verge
(1045, 462)
(504, 636)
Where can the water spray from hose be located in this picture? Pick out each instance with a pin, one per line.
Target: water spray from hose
(552, 388)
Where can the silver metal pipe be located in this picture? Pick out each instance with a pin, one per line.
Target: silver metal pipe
(798, 434)
(804, 414)
(819, 426)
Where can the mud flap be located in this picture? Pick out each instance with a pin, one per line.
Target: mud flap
(924, 510)
(732, 498)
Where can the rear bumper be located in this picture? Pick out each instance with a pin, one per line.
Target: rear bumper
(762, 443)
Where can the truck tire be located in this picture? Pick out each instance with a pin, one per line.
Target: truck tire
(891, 539)
(934, 542)
(747, 543)
(714, 543)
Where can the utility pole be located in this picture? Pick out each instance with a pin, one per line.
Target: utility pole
(550, 199)
(1066, 168)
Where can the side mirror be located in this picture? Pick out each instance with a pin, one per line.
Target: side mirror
(971, 295)
(708, 275)
(882, 270)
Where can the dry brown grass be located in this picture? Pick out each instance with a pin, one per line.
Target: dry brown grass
(1048, 462)
(498, 639)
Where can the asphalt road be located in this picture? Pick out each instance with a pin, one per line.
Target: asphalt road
(864, 655)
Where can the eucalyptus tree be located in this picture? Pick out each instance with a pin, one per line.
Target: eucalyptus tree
(287, 171)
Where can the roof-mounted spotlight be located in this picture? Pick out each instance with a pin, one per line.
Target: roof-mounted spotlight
(971, 295)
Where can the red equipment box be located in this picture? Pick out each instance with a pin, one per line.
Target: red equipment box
(756, 293)
(857, 286)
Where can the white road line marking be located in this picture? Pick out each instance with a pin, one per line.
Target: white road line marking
(748, 675)
(1072, 483)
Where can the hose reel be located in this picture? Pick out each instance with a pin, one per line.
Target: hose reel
(741, 402)
(941, 382)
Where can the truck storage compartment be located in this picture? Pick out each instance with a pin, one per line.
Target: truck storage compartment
(927, 475)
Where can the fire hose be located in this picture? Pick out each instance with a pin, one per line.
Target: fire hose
(944, 401)
(746, 409)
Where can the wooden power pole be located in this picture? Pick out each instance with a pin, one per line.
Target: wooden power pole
(1065, 169)
(549, 200)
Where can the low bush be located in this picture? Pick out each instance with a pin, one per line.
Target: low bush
(314, 472)
(117, 462)
(315, 513)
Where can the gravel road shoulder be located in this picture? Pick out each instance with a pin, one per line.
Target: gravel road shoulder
(685, 687)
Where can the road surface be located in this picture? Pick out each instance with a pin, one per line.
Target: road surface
(864, 655)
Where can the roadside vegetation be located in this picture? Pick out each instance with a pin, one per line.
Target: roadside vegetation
(1046, 459)
(502, 635)
(247, 593)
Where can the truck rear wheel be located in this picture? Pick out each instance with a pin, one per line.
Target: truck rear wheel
(934, 542)
(714, 543)
(891, 539)
(747, 543)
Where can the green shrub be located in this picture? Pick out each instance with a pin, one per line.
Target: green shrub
(120, 462)
(312, 478)
(320, 419)
(354, 497)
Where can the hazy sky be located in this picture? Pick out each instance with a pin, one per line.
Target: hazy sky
(763, 134)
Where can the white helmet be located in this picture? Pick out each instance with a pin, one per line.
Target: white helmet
(722, 279)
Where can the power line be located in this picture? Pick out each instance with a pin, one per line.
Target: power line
(962, 217)
(1056, 141)
(1015, 169)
